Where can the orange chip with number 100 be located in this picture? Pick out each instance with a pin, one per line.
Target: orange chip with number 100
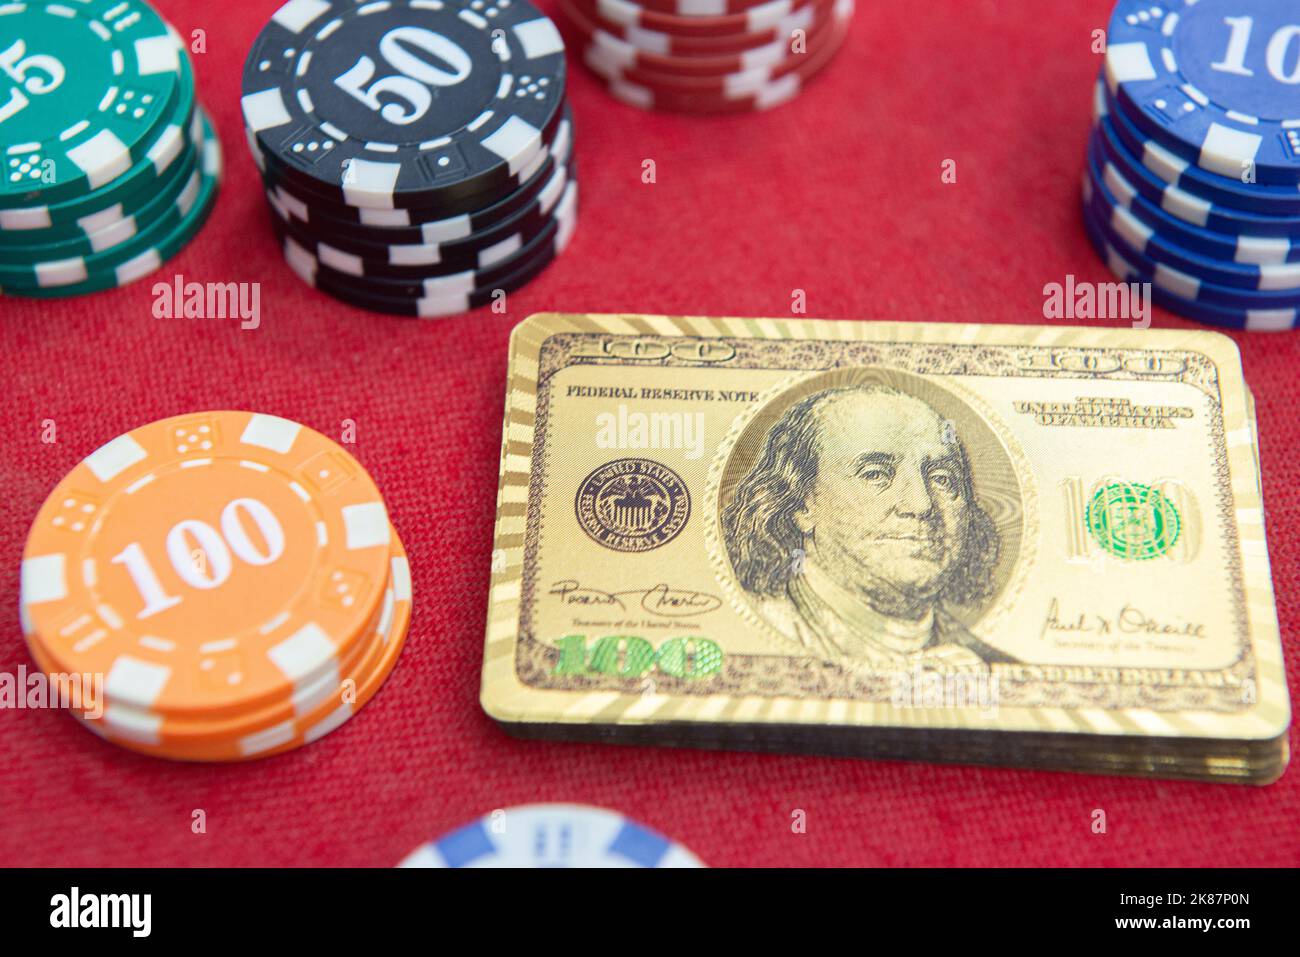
(206, 565)
(315, 711)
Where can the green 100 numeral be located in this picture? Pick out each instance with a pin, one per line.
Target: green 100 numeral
(627, 656)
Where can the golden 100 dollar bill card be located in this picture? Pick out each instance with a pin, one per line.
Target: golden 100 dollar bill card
(1035, 546)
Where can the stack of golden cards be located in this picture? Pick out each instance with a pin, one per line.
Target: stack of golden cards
(1030, 546)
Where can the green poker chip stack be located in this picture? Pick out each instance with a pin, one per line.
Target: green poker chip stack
(109, 164)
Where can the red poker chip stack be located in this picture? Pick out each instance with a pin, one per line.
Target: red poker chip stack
(707, 56)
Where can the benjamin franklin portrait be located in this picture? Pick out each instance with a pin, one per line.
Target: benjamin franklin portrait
(856, 530)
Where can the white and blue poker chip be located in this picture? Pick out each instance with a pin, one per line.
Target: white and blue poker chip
(1105, 168)
(1215, 81)
(1220, 250)
(1282, 280)
(1189, 208)
(1166, 284)
(552, 835)
(1188, 192)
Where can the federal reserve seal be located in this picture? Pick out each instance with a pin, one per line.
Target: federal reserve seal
(632, 505)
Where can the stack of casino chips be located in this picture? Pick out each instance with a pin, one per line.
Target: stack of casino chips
(707, 56)
(218, 586)
(110, 166)
(417, 157)
(1193, 174)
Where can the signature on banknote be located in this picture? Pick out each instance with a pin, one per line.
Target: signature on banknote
(658, 599)
(1128, 620)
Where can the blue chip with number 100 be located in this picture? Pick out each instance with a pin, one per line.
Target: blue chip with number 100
(1216, 81)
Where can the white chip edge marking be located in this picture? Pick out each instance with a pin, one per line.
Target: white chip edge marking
(306, 650)
(44, 578)
(113, 458)
(136, 681)
(270, 432)
(366, 525)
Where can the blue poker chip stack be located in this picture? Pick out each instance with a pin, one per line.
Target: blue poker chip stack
(1193, 172)
(417, 156)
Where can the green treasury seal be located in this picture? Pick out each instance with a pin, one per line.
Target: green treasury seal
(1133, 521)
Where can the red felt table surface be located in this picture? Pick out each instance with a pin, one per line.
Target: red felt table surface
(838, 194)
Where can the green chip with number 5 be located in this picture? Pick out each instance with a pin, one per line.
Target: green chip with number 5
(84, 89)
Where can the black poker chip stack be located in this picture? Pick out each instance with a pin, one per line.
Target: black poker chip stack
(417, 158)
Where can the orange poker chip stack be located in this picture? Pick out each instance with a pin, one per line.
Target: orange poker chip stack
(215, 587)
